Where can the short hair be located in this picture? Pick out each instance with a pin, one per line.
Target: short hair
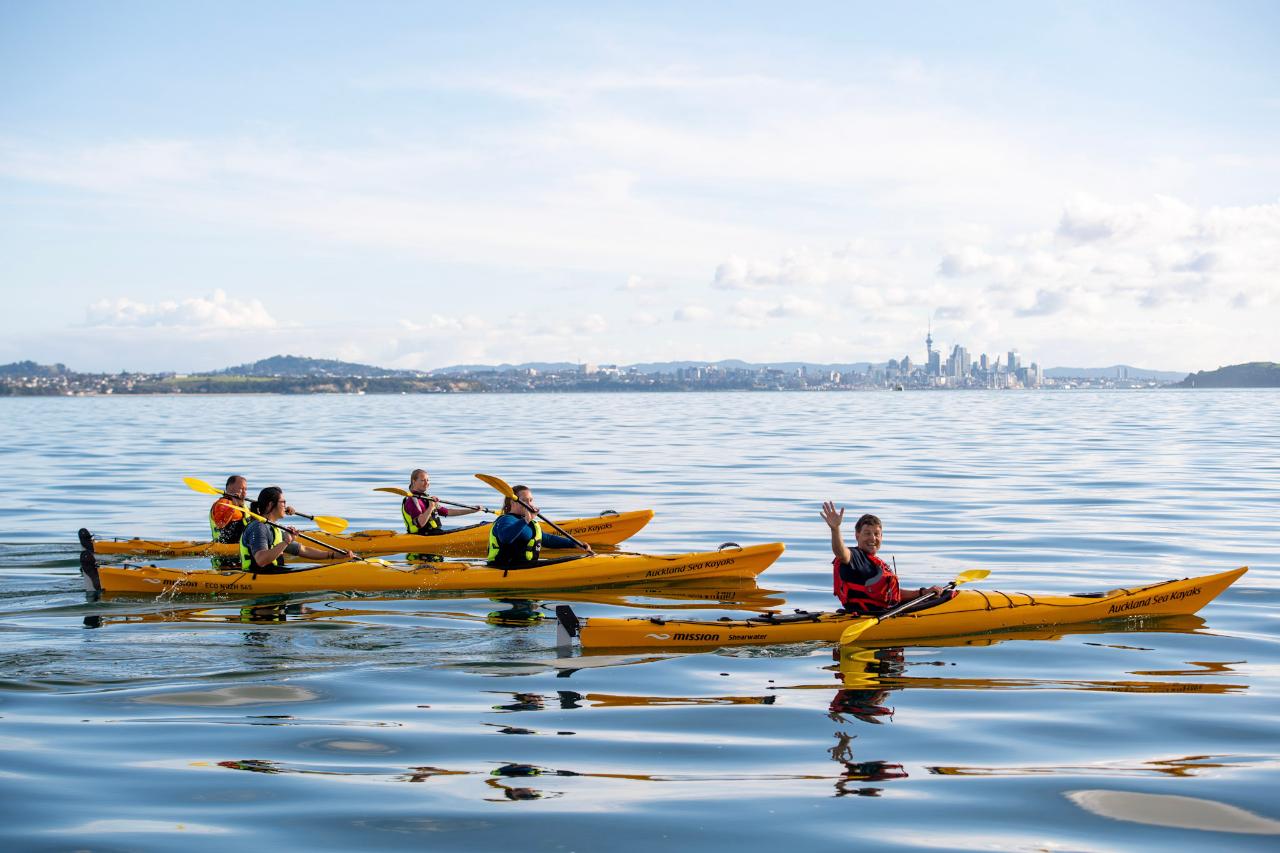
(233, 479)
(866, 519)
(509, 503)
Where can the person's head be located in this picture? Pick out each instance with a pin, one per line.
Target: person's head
(270, 503)
(237, 486)
(418, 481)
(869, 531)
(515, 507)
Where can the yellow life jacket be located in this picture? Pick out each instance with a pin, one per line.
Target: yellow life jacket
(233, 530)
(515, 554)
(433, 523)
(246, 559)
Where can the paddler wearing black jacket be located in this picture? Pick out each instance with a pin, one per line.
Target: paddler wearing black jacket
(862, 581)
(516, 539)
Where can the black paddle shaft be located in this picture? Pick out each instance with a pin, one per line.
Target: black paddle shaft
(907, 605)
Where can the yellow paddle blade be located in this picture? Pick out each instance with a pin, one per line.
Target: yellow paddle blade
(198, 485)
(971, 575)
(851, 633)
(248, 512)
(404, 493)
(331, 524)
(497, 483)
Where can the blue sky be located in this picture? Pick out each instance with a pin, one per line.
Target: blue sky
(187, 186)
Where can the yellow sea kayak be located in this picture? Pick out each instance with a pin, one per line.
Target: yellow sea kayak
(607, 529)
(564, 573)
(969, 612)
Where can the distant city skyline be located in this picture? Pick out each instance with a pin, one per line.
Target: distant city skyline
(420, 185)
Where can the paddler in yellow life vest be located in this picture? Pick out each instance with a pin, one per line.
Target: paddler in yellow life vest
(421, 512)
(226, 522)
(263, 546)
(516, 538)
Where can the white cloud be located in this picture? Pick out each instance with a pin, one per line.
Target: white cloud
(795, 306)
(441, 323)
(642, 285)
(643, 319)
(971, 260)
(797, 268)
(690, 314)
(217, 311)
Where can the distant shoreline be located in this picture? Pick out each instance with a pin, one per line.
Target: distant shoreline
(567, 392)
(295, 375)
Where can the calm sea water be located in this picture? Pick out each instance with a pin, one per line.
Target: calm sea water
(339, 721)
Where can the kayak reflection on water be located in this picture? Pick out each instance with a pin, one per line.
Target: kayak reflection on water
(864, 694)
(863, 698)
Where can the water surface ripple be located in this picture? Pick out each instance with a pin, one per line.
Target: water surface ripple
(331, 721)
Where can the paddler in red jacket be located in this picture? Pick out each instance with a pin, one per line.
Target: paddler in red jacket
(863, 582)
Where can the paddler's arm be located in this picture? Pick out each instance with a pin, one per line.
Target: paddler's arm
(432, 507)
(288, 545)
(834, 518)
(913, 594)
(552, 540)
(263, 557)
(324, 553)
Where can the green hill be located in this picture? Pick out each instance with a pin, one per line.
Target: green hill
(300, 366)
(30, 368)
(1255, 374)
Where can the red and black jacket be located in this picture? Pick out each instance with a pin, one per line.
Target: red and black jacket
(865, 584)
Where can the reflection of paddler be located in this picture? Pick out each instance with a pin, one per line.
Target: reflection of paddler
(263, 613)
(861, 771)
(523, 611)
(253, 765)
(523, 702)
(864, 694)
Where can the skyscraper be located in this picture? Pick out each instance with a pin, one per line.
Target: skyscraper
(933, 365)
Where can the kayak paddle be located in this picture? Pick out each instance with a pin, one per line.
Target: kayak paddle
(507, 492)
(327, 523)
(405, 493)
(855, 630)
(202, 486)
